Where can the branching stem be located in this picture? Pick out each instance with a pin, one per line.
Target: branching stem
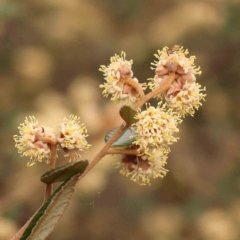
(135, 85)
(103, 151)
(165, 85)
(144, 98)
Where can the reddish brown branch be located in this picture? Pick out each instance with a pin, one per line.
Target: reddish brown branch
(53, 146)
(121, 151)
(103, 151)
(135, 85)
(165, 85)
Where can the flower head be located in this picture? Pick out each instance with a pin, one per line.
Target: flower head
(155, 129)
(72, 137)
(29, 142)
(141, 169)
(184, 94)
(184, 98)
(174, 61)
(118, 76)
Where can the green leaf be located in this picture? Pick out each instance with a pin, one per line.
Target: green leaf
(127, 114)
(51, 211)
(64, 172)
(124, 140)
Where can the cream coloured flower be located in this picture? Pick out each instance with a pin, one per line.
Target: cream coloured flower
(173, 61)
(184, 95)
(72, 138)
(29, 143)
(115, 75)
(141, 169)
(155, 128)
(185, 99)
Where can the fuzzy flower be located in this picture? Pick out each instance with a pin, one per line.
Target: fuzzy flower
(115, 75)
(29, 143)
(175, 61)
(72, 137)
(184, 98)
(141, 169)
(155, 129)
(184, 95)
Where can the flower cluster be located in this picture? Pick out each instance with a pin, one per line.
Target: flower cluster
(145, 155)
(154, 133)
(120, 83)
(72, 137)
(142, 168)
(30, 143)
(175, 85)
(184, 95)
(155, 128)
(35, 140)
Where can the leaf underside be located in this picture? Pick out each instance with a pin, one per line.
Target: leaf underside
(51, 211)
(126, 139)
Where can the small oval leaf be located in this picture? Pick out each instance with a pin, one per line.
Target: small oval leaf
(127, 114)
(126, 139)
(64, 172)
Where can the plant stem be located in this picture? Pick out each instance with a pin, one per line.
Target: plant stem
(122, 151)
(103, 151)
(135, 85)
(165, 85)
(53, 147)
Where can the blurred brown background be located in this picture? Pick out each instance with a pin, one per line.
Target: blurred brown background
(50, 52)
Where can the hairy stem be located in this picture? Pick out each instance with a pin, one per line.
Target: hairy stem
(122, 151)
(53, 146)
(135, 85)
(165, 85)
(103, 151)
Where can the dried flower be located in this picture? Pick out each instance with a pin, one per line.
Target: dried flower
(72, 137)
(30, 143)
(155, 129)
(141, 169)
(115, 75)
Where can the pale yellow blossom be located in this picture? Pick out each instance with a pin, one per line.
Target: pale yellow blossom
(155, 128)
(114, 75)
(141, 169)
(29, 143)
(186, 99)
(184, 95)
(72, 137)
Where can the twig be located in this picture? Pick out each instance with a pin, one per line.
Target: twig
(135, 85)
(163, 87)
(122, 151)
(103, 151)
(53, 147)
